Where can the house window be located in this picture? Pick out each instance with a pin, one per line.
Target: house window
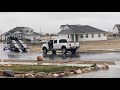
(92, 35)
(62, 41)
(99, 35)
(86, 35)
(81, 35)
(55, 41)
(104, 34)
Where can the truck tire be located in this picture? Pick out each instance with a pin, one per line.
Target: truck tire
(64, 50)
(44, 51)
(53, 52)
(64, 56)
(44, 55)
(73, 51)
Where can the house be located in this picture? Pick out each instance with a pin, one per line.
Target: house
(47, 36)
(81, 33)
(116, 30)
(22, 33)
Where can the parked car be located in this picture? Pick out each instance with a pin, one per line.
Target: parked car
(60, 44)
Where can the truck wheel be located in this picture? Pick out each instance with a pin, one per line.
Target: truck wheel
(73, 51)
(44, 55)
(44, 51)
(64, 56)
(54, 52)
(64, 50)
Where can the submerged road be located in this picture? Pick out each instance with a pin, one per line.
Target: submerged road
(111, 56)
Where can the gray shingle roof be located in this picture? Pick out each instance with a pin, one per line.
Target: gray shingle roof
(16, 29)
(69, 25)
(21, 30)
(81, 29)
(37, 33)
(118, 26)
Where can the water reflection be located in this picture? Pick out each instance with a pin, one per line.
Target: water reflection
(14, 55)
(23, 56)
(61, 56)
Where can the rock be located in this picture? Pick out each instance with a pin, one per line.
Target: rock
(102, 67)
(9, 73)
(19, 75)
(106, 65)
(89, 69)
(92, 68)
(50, 75)
(39, 58)
(74, 71)
(1, 72)
(79, 71)
(96, 67)
(66, 73)
(29, 75)
(61, 74)
(93, 65)
(40, 75)
(56, 75)
(71, 73)
(84, 70)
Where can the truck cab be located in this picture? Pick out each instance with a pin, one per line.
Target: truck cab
(60, 44)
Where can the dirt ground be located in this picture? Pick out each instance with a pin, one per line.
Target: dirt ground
(89, 45)
(35, 48)
(108, 44)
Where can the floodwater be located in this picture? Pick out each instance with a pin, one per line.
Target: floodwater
(113, 72)
(59, 56)
(85, 56)
(112, 56)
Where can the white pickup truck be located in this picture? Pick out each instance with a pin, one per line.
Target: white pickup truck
(60, 44)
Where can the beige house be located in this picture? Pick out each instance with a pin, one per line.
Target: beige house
(81, 33)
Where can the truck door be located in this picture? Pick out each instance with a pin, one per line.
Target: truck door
(50, 44)
(55, 44)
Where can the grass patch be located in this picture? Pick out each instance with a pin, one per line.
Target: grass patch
(39, 68)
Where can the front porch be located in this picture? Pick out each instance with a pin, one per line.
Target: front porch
(75, 37)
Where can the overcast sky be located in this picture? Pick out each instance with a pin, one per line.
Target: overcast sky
(50, 22)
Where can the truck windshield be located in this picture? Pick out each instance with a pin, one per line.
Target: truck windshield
(62, 41)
